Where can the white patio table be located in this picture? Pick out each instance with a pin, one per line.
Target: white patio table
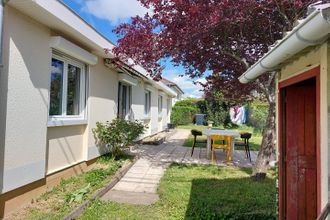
(208, 132)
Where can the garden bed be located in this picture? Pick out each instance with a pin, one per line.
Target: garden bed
(70, 193)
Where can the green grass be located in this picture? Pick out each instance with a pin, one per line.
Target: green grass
(255, 140)
(199, 192)
(62, 199)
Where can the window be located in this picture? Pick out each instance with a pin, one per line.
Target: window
(160, 104)
(124, 100)
(67, 89)
(147, 102)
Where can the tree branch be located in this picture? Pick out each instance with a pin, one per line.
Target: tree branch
(239, 59)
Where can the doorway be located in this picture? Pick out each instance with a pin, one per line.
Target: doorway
(299, 127)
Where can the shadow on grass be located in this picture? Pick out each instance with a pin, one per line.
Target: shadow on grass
(234, 198)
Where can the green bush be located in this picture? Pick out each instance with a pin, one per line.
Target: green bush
(258, 113)
(182, 115)
(189, 102)
(217, 109)
(117, 134)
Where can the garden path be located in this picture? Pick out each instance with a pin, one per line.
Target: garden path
(139, 184)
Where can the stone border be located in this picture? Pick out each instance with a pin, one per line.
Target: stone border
(119, 174)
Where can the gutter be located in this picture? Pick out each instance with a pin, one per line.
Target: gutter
(312, 30)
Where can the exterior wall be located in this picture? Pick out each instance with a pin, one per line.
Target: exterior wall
(306, 61)
(30, 150)
(102, 102)
(24, 100)
(65, 147)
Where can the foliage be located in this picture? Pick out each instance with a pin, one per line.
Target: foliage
(96, 176)
(77, 196)
(182, 115)
(188, 102)
(117, 134)
(201, 106)
(217, 107)
(199, 192)
(222, 37)
(183, 111)
(258, 112)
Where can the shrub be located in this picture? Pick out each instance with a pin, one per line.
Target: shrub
(189, 102)
(182, 115)
(117, 134)
(217, 109)
(258, 112)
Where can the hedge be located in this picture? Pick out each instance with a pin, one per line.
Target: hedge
(182, 115)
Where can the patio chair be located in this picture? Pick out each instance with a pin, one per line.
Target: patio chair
(196, 133)
(221, 142)
(245, 143)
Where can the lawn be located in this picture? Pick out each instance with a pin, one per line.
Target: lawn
(255, 140)
(199, 192)
(62, 199)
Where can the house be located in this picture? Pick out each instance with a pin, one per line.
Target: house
(176, 88)
(302, 61)
(56, 82)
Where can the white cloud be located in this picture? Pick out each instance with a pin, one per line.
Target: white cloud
(115, 11)
(185, 83)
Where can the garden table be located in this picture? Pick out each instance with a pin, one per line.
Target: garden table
(208, 132)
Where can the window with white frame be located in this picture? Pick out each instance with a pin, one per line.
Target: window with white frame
(160, 104)
(124, 100)
(67, 88)
(147, 102)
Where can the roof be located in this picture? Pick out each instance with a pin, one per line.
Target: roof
(171, 84)
(59, 17)
(311, 31)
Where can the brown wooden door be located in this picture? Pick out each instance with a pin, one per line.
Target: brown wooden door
(300, 151)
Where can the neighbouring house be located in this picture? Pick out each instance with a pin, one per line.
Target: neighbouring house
(176, 88)
(56, 82)
(302, 60)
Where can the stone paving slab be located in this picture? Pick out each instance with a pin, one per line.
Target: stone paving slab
(136, 198)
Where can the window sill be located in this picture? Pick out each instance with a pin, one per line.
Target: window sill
(66, 122)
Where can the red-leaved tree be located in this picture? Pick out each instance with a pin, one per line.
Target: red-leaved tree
(221, 36)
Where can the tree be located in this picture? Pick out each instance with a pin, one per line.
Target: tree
(223, 36)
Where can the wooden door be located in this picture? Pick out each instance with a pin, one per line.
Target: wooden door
(300, 151)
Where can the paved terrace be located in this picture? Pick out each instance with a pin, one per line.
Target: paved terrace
(139, 185)
(173, 151)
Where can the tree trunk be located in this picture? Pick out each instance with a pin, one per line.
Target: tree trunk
(267, 145)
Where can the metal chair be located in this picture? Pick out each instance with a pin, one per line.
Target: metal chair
(245, 143)
(196, 133)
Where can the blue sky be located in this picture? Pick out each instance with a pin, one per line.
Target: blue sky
(104, 15)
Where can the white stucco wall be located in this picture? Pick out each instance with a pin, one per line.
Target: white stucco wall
(29, 148)
(102, 102)
(24, 98)
(65, 147)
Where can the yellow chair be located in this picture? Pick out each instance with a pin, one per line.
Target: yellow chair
(221, 142)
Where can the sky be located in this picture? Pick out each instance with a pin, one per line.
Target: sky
(105, 15)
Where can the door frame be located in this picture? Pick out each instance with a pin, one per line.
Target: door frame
(305, 75)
